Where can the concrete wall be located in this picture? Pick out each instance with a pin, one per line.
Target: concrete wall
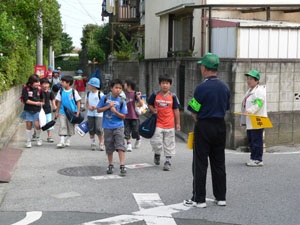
(283, 93)
(10, 108)
(282, 78)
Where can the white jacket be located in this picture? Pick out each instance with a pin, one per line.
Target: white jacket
(254, 102)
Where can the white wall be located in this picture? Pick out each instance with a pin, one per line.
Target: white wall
(156, 28)
(269, 43)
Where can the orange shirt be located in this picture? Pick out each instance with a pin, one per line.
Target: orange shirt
(165, 111)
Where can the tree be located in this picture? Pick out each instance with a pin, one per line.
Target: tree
(66, 44)
(19, 27)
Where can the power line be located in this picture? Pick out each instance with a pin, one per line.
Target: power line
(87, 12)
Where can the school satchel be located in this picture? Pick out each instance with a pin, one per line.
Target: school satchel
(147, 128)
(72, 116)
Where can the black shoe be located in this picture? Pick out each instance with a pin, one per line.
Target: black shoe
(110, 169)
(123, 170)
(156, 159)
(167, 166)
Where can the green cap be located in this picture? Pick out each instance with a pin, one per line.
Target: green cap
(253, 73)
(210, 61)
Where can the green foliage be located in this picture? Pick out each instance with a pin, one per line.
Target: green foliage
(125, 48)
(19, 27)
(66, 44)
(68, 65)
(95, 42)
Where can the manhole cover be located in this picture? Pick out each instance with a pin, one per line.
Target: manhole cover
(83, 171)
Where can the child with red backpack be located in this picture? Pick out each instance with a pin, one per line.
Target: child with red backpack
(32, 99)
(80, 86)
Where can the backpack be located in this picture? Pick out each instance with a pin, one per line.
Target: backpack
(122, 99)
(172, 93)
(69, 114)
(147, 128)
(88, 93)
(28, 89)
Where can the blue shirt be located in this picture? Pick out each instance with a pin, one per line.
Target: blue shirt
(111, 120)
(214, 97)
(67, 99)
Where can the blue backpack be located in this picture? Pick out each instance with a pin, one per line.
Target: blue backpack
(147, 128)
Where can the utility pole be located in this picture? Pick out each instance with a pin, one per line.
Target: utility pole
(39, 41)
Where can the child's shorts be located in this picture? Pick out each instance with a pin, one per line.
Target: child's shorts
(65, 128)
(114, 139)
(48, 119)
(95, 125)
(30, 116)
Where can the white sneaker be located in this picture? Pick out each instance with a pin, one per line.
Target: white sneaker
(191, 203)
(67, 143)
(137, 144)
(60, 145)
(221, 203)
(39, 142)
(28, 144)
(254, 163)
(102, 147)
(129, 148)
(93, 146)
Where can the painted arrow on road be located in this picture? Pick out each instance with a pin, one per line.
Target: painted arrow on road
(152, 211)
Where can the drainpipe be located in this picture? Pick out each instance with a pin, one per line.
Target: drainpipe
(203, 14)
(209, 29)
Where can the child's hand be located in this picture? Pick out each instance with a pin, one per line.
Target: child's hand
(113, 109)
(178, 127)
(111, 104)
(138, 95)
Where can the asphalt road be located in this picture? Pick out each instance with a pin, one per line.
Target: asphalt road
(53, 186)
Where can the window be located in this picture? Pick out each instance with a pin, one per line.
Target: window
(180, 35)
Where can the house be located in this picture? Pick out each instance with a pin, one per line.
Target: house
(246, 36)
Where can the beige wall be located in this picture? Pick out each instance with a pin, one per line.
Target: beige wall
(156, 28)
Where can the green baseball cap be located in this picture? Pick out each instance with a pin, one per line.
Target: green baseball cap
(253, 73)
(210, 61)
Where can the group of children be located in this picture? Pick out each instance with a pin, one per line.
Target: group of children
(111, 117)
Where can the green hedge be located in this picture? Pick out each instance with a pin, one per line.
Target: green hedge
(72, 64)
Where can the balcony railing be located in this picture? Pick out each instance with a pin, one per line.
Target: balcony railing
(129, 12)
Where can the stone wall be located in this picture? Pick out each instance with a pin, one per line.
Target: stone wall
(10, 108)
(282, 78)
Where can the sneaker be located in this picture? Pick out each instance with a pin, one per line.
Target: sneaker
(191, 203)
(123, 170)
(129, 148)
(156, 159)
(167, 166)
(28, 144)
(67, 143)
(110, 169)
(39, 142)
(137, 144)
(60, 145)
(93, 146)
(220, 203)
(33, 137)
(102, 147)
(254, 163)
(50, 139)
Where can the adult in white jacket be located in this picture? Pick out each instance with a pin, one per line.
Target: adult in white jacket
(254, 102)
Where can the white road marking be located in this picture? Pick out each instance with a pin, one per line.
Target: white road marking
(106, 177)
(149, 200)
(71, 194)
(137, 166)
(30, 218)
(158, 214)
(270, 153)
